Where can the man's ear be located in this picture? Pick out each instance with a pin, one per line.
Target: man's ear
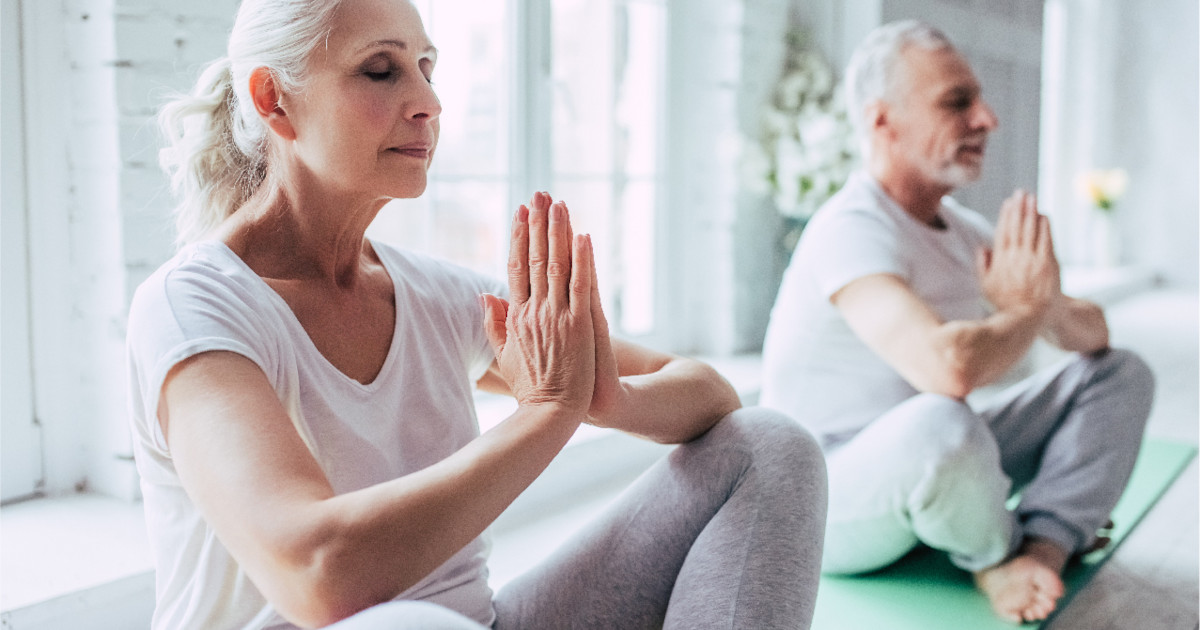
(878, 116)
(265, 94)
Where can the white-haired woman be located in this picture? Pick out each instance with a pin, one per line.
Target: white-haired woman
(302, 395)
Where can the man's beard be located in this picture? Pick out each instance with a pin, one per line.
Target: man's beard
(957, 175)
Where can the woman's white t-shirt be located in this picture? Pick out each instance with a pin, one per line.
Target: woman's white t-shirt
(417, 411)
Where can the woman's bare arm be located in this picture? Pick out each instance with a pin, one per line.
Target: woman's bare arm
(319, 557)
(316, 556)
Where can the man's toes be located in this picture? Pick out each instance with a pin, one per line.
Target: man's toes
(1038, 613)
(1010, 615)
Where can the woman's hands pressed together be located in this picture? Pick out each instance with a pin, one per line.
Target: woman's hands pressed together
(545, 340)
(552, 342)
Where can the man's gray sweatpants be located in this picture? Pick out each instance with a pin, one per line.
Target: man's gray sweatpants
(933, 470)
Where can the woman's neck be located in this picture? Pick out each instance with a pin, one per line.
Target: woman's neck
(286, 233)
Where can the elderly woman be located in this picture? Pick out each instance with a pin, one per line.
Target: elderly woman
(302, 395)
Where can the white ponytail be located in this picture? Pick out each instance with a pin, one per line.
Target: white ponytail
(217, 151)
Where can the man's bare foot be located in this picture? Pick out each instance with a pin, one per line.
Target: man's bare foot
(1027, 586)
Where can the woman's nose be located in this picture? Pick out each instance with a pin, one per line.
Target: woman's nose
(425, 103)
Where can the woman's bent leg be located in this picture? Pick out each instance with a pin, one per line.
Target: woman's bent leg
(725, 532)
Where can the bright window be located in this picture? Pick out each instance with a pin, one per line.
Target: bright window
(573, 107)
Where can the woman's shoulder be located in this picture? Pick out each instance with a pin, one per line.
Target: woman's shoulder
(203, 267)
(203, 285)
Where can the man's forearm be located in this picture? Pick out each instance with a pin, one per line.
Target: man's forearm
(981, 351)
(1076, 326)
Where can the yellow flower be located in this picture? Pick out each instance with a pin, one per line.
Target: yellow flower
(1103, 187)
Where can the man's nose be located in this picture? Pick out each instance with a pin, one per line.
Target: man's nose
(984, 117)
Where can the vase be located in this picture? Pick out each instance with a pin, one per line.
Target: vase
(1106, 241)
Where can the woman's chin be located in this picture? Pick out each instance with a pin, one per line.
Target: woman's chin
(409, 188)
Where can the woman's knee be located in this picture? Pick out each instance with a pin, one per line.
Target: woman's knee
(768, 432)
(762, 424)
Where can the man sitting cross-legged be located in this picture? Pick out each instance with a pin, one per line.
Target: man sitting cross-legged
(899, 302)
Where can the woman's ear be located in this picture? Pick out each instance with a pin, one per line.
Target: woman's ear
(265, 94)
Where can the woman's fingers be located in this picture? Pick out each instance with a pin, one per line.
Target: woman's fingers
(607, 388)
(581, 276)
(599, 320)
(539, 219)
(560, 244)
(518, 257)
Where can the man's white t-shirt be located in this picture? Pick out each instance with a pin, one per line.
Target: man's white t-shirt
(815, 368)
(417, 411)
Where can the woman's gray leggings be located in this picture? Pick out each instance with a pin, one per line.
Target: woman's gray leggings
(724, 532)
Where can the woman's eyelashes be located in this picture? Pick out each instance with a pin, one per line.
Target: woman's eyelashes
(390, 72)
(385, 73)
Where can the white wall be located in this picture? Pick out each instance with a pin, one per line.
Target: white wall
(1155, 131)
(1123, 86)
(98, 208)
(725, 66)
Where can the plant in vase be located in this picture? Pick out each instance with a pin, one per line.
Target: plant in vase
(805, 148)
(1103, 188)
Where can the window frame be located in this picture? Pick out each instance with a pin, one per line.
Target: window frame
(54, 312)
(531, 151)
(22, 443)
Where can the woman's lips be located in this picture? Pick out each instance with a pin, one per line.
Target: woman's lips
(413, 152)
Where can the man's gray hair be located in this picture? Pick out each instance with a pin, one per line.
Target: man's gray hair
(871, 75)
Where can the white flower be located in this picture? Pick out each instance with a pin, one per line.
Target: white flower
(818, 130)
(806, 149)
(1103, 187)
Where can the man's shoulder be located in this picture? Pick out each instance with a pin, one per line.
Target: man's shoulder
(854, 209)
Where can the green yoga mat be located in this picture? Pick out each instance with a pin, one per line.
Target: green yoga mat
(923, 591)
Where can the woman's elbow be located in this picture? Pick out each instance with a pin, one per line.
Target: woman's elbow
(320, 582)
(321, 595)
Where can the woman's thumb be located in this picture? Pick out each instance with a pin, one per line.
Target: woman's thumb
(495, 321)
